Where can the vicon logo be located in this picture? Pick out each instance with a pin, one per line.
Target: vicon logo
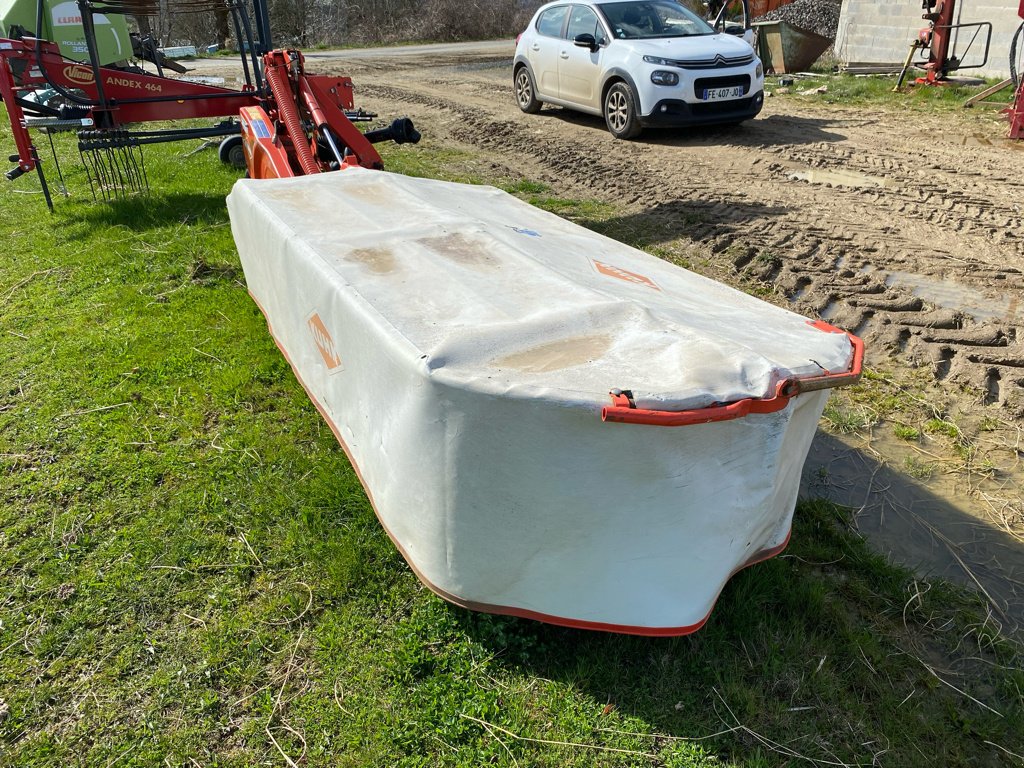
(324, 343)
(625, 275)
(76, 73)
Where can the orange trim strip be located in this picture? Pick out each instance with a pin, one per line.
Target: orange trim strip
(831, 380)
(736, 410)
(623, 411)
(522, 613)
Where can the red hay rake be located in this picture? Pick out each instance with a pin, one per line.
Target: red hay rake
(308, 120)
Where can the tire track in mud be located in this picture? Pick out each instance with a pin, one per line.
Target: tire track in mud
(911, 258)
(925, 190)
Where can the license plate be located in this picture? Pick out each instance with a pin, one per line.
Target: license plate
(718, 94)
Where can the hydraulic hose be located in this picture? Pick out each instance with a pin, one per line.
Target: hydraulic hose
(1014, 74)
(289, 115)
(73, 98)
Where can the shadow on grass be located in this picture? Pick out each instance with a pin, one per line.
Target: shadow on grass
(144, 212)
(758, 132)
(924, 528)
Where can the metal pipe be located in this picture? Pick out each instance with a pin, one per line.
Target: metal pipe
(73, 98)
(94, 59)
(244, 17)
(325, 131)
(262, 14)
(100, 139)
(235, 11)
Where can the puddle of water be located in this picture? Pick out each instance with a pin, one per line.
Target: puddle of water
(932, 525)
(840, 178)
(953, 295)
(830, 310)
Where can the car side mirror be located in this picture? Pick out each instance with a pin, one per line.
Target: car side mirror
(586, 40)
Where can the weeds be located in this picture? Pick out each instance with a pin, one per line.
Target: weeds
(903, 432)
(877, 91)
(843, 419)
(917, 469)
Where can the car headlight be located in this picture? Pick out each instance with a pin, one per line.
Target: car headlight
(760, 71)
(657, 60)
(664, 77)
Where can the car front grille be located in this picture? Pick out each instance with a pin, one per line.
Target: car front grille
(702, 84)
(719, 62)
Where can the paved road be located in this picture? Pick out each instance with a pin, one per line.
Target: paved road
(224, 65)
(488, 48)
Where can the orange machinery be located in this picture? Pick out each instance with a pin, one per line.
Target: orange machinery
(304, 125)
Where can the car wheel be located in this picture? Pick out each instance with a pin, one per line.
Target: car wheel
(526, 95)
(620, 112)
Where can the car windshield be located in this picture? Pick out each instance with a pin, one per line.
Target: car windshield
(652, 18)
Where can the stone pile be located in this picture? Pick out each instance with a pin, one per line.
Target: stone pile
(818, 16)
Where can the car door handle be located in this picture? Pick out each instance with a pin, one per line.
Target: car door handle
(535, 47)
(563, 55)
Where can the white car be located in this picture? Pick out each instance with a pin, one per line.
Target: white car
(636, 63)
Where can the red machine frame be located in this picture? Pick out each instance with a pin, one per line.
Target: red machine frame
(937, 39)
(292, 122)
(274, 132)
(127, 97)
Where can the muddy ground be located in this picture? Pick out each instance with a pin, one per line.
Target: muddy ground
(906, 229)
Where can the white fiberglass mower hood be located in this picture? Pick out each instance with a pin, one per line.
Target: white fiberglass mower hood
(548, 423)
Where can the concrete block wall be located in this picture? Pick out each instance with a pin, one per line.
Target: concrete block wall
(880, 31)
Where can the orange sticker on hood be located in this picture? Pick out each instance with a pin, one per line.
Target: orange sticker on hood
(624, 274)
(324, 343)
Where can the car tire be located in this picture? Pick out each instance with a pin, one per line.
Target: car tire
(620, 112)
(231, 152)
(526, 94)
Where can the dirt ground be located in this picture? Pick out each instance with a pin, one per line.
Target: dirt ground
(905, 229)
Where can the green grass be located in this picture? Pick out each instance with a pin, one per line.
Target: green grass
(191, 572)
(877, 92)
(904, 432)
